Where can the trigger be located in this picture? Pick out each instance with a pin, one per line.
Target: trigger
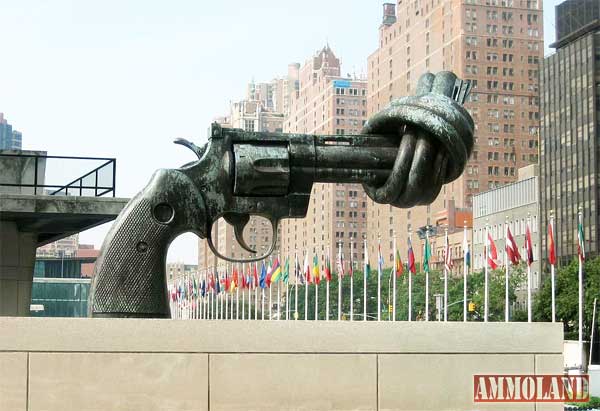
(239, 221)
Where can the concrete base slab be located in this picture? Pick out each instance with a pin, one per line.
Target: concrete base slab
(125, 364)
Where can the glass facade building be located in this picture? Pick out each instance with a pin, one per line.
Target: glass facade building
(9, 139)
(570, 103)
(58, 289)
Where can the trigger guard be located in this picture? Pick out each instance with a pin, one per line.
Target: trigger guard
(274, 224)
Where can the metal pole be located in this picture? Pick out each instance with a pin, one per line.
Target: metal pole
(465, 270)
(580, 295)
(485, 257)
(395, 251)
(507, 273)
(446, 279)
(552, 274)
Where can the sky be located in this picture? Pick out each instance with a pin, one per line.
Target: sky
(123, 78)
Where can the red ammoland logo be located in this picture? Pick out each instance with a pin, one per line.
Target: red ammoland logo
(531, 388)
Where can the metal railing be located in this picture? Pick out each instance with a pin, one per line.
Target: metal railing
(89, 182)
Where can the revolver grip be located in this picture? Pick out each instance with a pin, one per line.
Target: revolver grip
(129, 276)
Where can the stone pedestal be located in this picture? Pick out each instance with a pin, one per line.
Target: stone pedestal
(30, 221)
(17, 259)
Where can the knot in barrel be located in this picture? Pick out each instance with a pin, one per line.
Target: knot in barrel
(436, 140)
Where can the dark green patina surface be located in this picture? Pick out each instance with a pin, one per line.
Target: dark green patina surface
(404, 156)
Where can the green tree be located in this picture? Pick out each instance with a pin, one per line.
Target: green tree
(567, 295)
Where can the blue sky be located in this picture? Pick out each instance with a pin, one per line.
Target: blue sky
(122, 78)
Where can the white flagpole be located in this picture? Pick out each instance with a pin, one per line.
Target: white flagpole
(465, 270)
(270, 302)
(304, 268)
(426, 276)
(351, 280)
(379, 274)
(365, 281)
(255, 298)
(506, 275)
(447, 248)
(327, 291)
(237, 296)
(262, 304)
(340, 272)
(296, 275)
(287, 300)
(409, 273)
(552, 275)
(231, 308)
(316, 301)
(529, 313)
(580, 272)
(485, 257)
(395, 251)
(278, 301)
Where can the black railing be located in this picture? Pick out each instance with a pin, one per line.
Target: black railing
(88, 183)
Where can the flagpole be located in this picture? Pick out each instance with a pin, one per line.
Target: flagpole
(580, 272)
(485, 288)
(351, 280)
(395, 251)
(304, 268)
(379, 274)
(270, 301)
(446, 277)
(316, 301)
(552, 277)
(506, 276)
(427, 278)
(365, 281)
(529, 313)
(278, 301)
(327, 291)
(243, 293)
(340, 272)
(254, 280)
(409, 279)
(296, 274)
(237, 297)
(465, 269)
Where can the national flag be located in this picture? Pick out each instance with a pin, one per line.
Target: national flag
(227, 283)
(269, 274)
(492, 253)
(276, 271)
(411, 258)
(528, 245)
(298, 271)
(316, 272)
(234, 279)
(286, 271)
(551, 247)
(255, 276)
(512, 250)
(580, 242)
(263, 276)
(340, 265)
(367, 265)
(306, 270)
(466, 251)
(327, 269)
(244, 281)
(351, 264)
(399, 267)
(203, 288)
(217, 284)
(426, 254)
(448, 263)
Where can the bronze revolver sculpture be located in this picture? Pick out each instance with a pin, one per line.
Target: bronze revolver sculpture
(403, 157)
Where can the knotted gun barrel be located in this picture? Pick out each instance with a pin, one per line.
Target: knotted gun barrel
(404, 156)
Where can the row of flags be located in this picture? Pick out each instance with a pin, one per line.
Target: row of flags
(294, 271)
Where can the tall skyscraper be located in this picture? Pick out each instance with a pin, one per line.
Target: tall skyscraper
(570, 107)
(498, 45)
(9, 139)
(327, 103)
